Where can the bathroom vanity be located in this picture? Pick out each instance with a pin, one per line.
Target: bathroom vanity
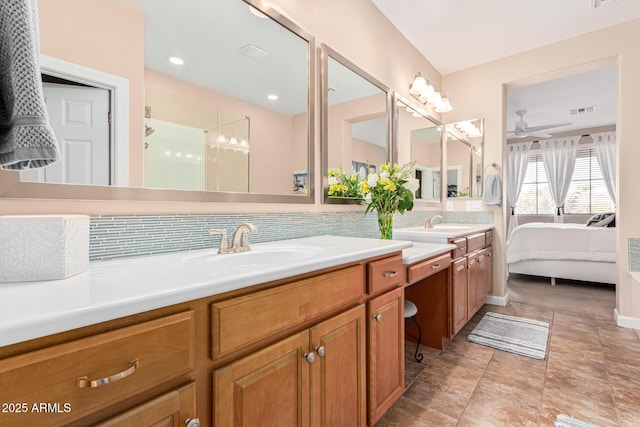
(316, 338)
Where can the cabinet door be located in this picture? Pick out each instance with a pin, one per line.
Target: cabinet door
(338, 375)
(267, 388)
(385, 352)
(472, 284)
(459, 287)
(171, 409)
(488, 278)
(482, 278)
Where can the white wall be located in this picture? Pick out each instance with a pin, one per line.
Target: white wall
(480, 92)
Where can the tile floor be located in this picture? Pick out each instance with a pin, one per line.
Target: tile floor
(592, 369)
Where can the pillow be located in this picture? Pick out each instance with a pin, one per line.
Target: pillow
(602, 220)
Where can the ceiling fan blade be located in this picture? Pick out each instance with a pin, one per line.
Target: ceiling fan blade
(544, 127)
(542, 135)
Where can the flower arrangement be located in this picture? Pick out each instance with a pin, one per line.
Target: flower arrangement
(389, 191)
(385, 192)
(342, 185)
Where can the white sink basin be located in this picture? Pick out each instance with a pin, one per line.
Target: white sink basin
(440, 227)
(257, 256)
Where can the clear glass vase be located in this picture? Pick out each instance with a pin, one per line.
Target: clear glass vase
(385, 224)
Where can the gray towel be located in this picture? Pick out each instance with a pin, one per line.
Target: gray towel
(492, 194)
(26, 139)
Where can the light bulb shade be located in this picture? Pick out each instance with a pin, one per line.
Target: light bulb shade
(435, 99)
(444, 106)
(418, 85)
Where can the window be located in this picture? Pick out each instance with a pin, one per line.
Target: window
(587, 193)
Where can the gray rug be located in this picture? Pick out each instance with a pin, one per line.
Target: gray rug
(566, 421)
(513, 334)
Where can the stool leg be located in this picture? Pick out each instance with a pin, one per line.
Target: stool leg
(418, 356)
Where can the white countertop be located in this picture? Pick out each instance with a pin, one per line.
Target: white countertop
(440, 233)
(421, 251)
(113, 289)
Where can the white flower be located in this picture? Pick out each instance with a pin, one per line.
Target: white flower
(372, 179)
(412, 185)
(384, 174)
(333, 180)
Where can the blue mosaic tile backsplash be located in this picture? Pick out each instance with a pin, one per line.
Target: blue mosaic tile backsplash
(122, 236)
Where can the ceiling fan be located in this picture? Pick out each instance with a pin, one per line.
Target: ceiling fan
(523, 130)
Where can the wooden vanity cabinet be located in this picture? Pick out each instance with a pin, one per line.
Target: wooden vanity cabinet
(472, 276)
(313, 378)
(386, 352)
(175, 408)
(295, 352)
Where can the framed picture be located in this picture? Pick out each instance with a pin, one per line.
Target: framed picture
(300, 182)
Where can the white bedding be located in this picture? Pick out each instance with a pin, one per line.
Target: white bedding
(552, 241)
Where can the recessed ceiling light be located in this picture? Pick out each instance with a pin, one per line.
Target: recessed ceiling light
(257, 13)
(175, 60)
(272, 97)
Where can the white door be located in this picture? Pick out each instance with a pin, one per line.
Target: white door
(79, 117)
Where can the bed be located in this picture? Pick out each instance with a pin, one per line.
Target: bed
(565, 251)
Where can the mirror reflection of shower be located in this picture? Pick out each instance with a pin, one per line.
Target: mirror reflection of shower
(215, 158)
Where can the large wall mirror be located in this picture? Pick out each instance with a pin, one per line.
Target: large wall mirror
(423, 135)
(212, 97)
(355, 120)
(465, 145)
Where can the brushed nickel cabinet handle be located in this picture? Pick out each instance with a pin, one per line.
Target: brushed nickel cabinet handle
(321, 351)
(390, 274)
(310, 357)
(435, 266)
(84, 382)
(378, 318)
(192, 422)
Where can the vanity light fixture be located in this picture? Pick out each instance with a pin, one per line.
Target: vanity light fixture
(427, 94)
(176, 61)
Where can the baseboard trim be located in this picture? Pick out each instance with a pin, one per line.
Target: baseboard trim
(626, 321)
(494, 300)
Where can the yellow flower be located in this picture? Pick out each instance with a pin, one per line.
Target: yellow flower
(364, 187)
(387, 184)
(386, 167)
(332, 172)
(396, 167)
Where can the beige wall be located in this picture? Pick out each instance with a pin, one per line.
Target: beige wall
(366, 152)
(101, 48)
(480, 92)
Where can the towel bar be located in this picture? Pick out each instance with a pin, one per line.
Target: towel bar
(495, 165)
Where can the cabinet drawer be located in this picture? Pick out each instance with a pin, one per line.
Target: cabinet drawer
(92, 373)
(427, 268)
(241, 321)
(475, 241)
(461, 250)
(384, 274)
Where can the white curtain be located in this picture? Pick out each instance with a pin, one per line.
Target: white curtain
(517, 162)
(559, 159)
(605, 147)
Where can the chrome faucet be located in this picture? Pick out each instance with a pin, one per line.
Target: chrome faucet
(428, 223)
(241, 237)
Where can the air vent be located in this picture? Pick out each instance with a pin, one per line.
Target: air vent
(582, 110)
(253, 51)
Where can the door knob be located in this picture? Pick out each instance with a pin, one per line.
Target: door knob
(310, 357)
(192, 422)
(378, 318)
(320, 350)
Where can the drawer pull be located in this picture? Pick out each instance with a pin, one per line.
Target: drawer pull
(321, 351)
(390, 274)
(378, 318)
(435, 266)
(84, 382)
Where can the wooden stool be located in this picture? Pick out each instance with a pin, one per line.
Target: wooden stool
(410, 311)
